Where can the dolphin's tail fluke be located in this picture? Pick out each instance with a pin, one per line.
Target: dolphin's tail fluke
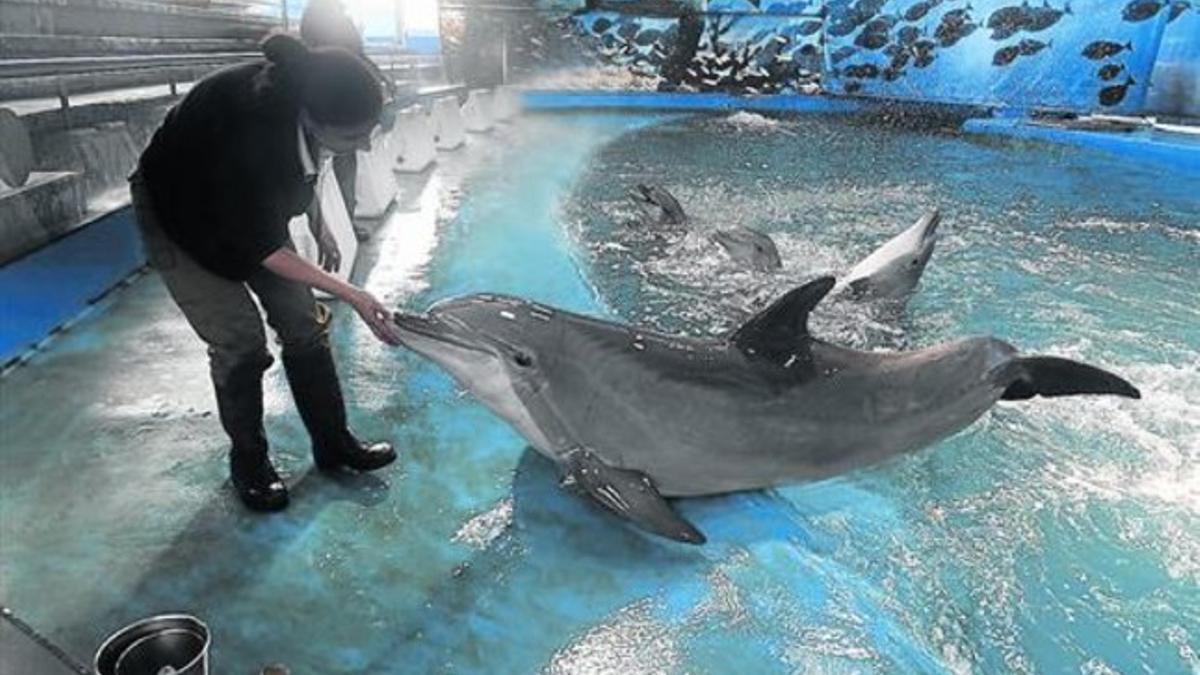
(1051, 376)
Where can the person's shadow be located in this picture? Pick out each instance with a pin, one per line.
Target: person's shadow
(223, 551)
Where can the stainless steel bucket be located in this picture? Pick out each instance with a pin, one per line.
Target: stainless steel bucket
(169, 644)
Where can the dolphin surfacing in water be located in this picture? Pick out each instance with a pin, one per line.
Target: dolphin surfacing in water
(745, 246)
(892, 271)
(632, 417)
(749, 247)
(670, 210)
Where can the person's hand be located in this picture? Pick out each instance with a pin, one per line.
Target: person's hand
(376, 316)
(329, 257)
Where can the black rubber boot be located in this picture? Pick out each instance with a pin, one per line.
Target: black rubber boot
(313, 379)
(240, 407)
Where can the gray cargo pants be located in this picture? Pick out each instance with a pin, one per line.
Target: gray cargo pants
(222, 312)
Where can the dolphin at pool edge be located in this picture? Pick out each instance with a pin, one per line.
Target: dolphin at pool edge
(632, 416)
(890, 273)
(744, 245)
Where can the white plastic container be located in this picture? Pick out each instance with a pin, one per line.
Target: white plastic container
(506, 103)
(412, 141)
(376, 186)
(477, 111)
(333, 210)
(449, 131)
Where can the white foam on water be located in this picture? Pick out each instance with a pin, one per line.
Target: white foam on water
(1023, 505)
(1126, 227)
(746, 120)
(1162, 431)
(594, 77)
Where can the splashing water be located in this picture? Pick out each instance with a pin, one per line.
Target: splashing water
(1054, 535)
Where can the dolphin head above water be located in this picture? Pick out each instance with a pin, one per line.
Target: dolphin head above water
(495, 345)
(893, 270)
(632, 416)
(749, 247)
(670, 210)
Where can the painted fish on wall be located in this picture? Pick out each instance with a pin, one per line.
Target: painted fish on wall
(1062, 54)
(731, 53)
(1040, 52)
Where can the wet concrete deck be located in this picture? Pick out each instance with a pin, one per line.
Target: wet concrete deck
(113, 480)
(116, 502)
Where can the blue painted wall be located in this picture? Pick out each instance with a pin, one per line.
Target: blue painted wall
(1076, 55)
(49, 287)
(752, 54)
(1069, 54)
(1175, 82)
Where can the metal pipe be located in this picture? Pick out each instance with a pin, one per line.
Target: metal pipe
(90, 64)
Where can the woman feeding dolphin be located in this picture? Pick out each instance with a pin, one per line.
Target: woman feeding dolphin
(231, 164)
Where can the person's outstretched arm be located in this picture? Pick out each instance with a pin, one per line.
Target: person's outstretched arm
(288, 264)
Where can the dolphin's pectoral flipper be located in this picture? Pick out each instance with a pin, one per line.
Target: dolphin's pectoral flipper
(859, 288)
(779, 331)
(1050, 376)
(629, 494)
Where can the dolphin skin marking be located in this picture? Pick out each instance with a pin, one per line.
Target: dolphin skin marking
(632, 416)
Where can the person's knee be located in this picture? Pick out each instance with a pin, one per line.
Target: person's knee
(231, 362)
(308, 332)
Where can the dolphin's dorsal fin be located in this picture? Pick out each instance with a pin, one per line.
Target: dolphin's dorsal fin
(779, 330)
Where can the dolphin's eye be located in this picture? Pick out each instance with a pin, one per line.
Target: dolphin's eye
(914, 262)
(522, 359)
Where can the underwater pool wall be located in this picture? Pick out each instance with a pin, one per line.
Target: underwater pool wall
(1070, 55)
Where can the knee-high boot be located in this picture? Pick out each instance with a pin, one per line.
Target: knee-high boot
(240, 407)
(312, 376)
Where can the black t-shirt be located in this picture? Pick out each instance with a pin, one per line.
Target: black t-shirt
(224, 171)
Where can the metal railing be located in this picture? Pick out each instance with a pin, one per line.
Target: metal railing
(62, 66)
(259, 8)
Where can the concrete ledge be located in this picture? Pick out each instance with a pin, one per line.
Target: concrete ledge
(1174, 151)
(653, 100)
(47, 206)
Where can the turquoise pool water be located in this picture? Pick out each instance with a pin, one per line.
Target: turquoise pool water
(1051, 536)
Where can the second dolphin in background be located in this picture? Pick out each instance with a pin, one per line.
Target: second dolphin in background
(890, 273)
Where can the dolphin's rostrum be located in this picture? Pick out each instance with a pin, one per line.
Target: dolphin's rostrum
(632, 416)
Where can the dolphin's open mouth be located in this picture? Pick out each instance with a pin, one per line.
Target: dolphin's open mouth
(436, 328)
